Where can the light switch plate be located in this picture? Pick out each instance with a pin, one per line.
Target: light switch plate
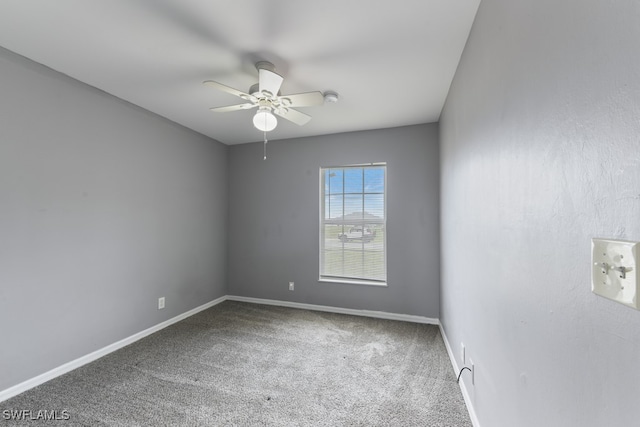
(613, 270)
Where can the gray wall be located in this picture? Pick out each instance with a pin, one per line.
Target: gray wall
(273, 233)
(540, 153)
(104, 207)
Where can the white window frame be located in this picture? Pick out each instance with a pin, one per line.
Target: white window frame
(383, 223)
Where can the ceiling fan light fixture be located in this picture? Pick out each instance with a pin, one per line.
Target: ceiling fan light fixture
(264, 120)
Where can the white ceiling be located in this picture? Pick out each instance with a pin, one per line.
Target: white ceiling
(391, 62)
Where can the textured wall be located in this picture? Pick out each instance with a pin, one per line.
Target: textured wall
(540, 152)
(104, 207)
(274, 219)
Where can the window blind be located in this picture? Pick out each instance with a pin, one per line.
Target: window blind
(353, 223)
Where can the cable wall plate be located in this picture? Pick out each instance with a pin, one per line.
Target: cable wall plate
(614, 270)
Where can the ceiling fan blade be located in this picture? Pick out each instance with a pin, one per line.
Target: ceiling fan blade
(233, 108)
(230, 90)
(294, 116)
(307, 99)
(268, 81)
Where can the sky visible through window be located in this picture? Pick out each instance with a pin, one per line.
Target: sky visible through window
(354, 191)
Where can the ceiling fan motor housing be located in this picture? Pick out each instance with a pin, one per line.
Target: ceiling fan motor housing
(255, 91)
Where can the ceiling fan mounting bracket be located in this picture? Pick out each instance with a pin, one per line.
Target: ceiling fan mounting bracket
(265, 65)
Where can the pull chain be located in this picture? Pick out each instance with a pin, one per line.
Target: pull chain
(265, 146)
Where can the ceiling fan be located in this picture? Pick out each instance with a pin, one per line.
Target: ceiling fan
(265, 95)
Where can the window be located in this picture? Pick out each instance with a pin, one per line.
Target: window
(352, 224)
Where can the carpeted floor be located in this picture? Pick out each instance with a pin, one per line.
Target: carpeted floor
(240, 364)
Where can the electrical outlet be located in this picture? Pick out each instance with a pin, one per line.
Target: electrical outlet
(462, 353)
(160, 303)
(472, 366)
(291, 286)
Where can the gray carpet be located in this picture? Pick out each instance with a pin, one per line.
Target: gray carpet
(239, 364)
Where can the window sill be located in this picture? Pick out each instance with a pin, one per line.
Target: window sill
(353, 282)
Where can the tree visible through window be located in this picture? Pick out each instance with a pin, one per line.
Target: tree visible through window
(352, 223)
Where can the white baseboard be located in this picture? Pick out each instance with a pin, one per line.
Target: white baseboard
(326, 308)
(67, 367)
(463, 387)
